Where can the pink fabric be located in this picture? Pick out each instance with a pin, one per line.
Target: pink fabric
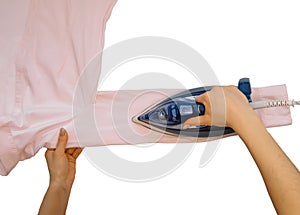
(43, 54)
(277, 115)
(113, 113)
(44, 47)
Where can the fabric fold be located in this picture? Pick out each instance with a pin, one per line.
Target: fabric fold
(43, 52)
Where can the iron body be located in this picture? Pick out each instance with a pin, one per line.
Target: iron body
(169, 115)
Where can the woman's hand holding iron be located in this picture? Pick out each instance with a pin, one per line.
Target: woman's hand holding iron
(224, 106)
(227, 106)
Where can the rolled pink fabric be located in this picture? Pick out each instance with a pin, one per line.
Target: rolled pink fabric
(114, 110)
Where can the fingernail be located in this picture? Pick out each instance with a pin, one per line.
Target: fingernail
(62, 132)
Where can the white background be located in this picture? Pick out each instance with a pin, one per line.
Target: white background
(256, 39)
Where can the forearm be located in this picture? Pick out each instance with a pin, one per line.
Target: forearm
(55, 200)
(281, 177)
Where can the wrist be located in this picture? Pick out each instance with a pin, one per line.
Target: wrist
(245, 122)
(60, 185)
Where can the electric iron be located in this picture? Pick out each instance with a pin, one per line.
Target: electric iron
(169, 115)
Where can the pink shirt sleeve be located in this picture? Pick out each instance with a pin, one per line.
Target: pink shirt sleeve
(113, 112)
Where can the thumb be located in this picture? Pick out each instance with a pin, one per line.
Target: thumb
(203, 98)
(196, 121)
(62, 141)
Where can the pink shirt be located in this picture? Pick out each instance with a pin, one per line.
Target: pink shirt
(44, 47)
(43, 53)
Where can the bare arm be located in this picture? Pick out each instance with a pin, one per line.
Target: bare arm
(280, 175)
(62, 167)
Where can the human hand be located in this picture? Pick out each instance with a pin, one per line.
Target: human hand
(224, 106)
(62, 162)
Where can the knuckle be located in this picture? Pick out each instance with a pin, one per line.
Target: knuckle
(62, 140)
(47, 154)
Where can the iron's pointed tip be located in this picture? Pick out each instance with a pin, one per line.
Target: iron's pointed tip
(135, 119)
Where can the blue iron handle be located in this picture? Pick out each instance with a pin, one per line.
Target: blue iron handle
(244, 86)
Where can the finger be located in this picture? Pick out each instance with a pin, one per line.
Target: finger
(62, 141)
(77, 152)
(48, 152)
(196, 121)
(203, 98)
(70, 151)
